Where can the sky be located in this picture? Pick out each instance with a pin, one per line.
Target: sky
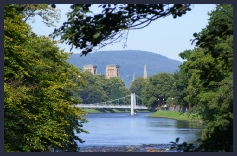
(165, 36)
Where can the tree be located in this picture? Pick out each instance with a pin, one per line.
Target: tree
(86, 30)
(209, 68)
(159, 86)
(93, 90)
(38, 86)
(118, 89)
(138, 85)
(47, 12)
(100, 89)
(96, 95)
(181, 83)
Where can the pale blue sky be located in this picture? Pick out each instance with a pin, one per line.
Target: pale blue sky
(166, 36)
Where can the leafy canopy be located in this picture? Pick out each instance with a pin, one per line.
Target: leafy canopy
(209, 68)
(100, 89)
(38, 89)
(159, 86)
(86, 30)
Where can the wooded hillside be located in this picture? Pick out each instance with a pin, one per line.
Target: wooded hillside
(129, 61)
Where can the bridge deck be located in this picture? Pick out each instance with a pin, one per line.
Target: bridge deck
(108, 106)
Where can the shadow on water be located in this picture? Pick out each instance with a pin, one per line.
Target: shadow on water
(110, 110)
(120, 110)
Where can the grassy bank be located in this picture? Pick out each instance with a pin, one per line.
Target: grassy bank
(92, 110)
(163, 114)
(176, 115)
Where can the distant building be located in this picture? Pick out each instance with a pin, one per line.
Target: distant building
(133, 78)
(145, 72)
(91, 68)
(112, 71)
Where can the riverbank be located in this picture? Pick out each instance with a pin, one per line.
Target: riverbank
(176, 115)
(131, 148)
(154, 113)
(109, 110)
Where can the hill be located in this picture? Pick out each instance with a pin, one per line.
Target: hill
(130, 62)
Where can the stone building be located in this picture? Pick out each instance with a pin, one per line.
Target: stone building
(112, 71)
(91, 68)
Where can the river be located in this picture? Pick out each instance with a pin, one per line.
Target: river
(122, 129)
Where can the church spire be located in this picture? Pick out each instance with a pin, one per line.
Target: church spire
(133, 76)
(145, 72)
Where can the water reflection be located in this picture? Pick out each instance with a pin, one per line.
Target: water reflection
(122, 129)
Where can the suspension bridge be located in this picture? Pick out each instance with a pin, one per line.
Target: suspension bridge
(132, 102)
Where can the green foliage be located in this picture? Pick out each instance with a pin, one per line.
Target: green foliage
(86, 30)
(38, 89)
(218, 137)
(219, 28)
(15, 33)
(159, 86)
(181, 83)
(138, 85)
(100, 89)
(220, 110)
(176, 115)
(47, 12)
(117, 87)
(209, 68)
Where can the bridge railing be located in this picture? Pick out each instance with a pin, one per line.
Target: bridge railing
(107, 106)
(111, 104)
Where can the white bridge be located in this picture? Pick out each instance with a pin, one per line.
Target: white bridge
(108, 106)
(133, 105)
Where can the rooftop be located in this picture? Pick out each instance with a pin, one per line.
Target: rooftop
(90, 65)
(112, 65)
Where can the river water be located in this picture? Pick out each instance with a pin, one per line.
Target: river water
(117, 129)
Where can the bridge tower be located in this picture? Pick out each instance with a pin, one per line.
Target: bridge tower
(133, 103)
